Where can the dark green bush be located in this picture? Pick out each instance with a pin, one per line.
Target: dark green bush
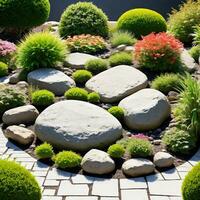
(81, 76)
(44, 151)
(121, 58)
(40, 50)
(83, 18)
(96, 65)
(17, 183)
(116, 151)
(191, 184)
(76, 94)
(117, 112)
(141, 22)
(94, 97)
(3, 69)
(23, 14)
(195, 52)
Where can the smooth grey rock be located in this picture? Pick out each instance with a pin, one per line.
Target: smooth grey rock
(13, 79)
(129, 49)
(97, 162)
(77, 125)
(121, 47)
(162, 159)
(51, 79)
(116, 83)
(22, 84)
(146, 109)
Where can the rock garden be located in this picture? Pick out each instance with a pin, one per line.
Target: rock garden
(99, 98)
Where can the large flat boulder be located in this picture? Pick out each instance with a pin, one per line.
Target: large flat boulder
(146, 109)
(77, 125)
(51, 79)
(116, 83)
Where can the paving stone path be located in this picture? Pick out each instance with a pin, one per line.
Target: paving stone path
(60, 185)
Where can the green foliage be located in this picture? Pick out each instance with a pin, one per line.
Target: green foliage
(40, 50)
(96, 65)
(94, 97)
(166, 83)
(17, 183)
(67, 159)
(117, 112)
(195, 52)
(122, 37)
(179, 141)
(121, 58)
(81, 76)
(141, 22)
(3, 69)
(116, 151)
(191, 184)
(182, 22)
(42, 98)
(44, 151)
(83, 18)
(23, 14)
(76, 94)
(139, 148)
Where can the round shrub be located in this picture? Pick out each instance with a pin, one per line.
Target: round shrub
(117, 112)
(81, 76)
(76, 94)
(116, 151)
(42, 98)
(179, 141)
(167, 82)
(191, 184)
(40, 50)
(83, 18)
(67, 159)
(195, 52)
(3, 69)
(94, 97)
(96, 65)
(141, 22)
(139, 148)
(17, 183)
(121, 58)
(23, 14)
(159, 52)
(44, 151)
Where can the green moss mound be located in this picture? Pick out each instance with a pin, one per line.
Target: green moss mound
(3, 69)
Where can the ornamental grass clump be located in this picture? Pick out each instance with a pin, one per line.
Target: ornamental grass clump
(81, 76)
(116, 151)
(3, 69)
(96, 65)
(195, 52)
(122, 58)
(44, 151)
(77, 94)
(159, 52)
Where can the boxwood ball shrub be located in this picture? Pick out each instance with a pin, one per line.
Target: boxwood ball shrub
(81, 76)
(195, 52)
(122, 58)
(17, 183)
(67, 159)
(141, 22)
(96, 65)
(44, 151)
(83, 18)
(76, 94)
(40, 50)
(93, 97)
(3, 69)
(116, 151)
(23, 14)
(117, 112)
(191, 185)
(159, 52)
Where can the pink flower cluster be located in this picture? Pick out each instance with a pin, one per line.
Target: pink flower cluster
(140, 136)
(6, 48)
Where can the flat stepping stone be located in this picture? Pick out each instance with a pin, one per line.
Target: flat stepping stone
(51, 79)
(77, 125)
(146, 109)
(116, 83)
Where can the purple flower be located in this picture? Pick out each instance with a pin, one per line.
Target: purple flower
(6, 48)
(140, 136)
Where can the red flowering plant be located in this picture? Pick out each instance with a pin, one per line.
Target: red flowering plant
(159, 52)
(86, 43)
(140, 136)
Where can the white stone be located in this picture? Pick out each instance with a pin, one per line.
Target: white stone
(77, 125)
(146, 109)
(116, 83)
(97, 162)
(50, 79)
(163, 159)
(139, 194)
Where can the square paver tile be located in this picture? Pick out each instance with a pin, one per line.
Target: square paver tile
(133, 183)
(137, 194)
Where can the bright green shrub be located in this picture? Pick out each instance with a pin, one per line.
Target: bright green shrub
(67, 159)
(76, 94)
(116, 151)
(23, 14)
(44, 151)
(40, 50)
(3, 69)
(93, 97)
(117, 112)
(182, 22)
(83, 18)
(141, 22)
(195, 52)
(17, 183)
(191, 184)
(121, 58)
(42, 98)
(81, 76)
(96, 65)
